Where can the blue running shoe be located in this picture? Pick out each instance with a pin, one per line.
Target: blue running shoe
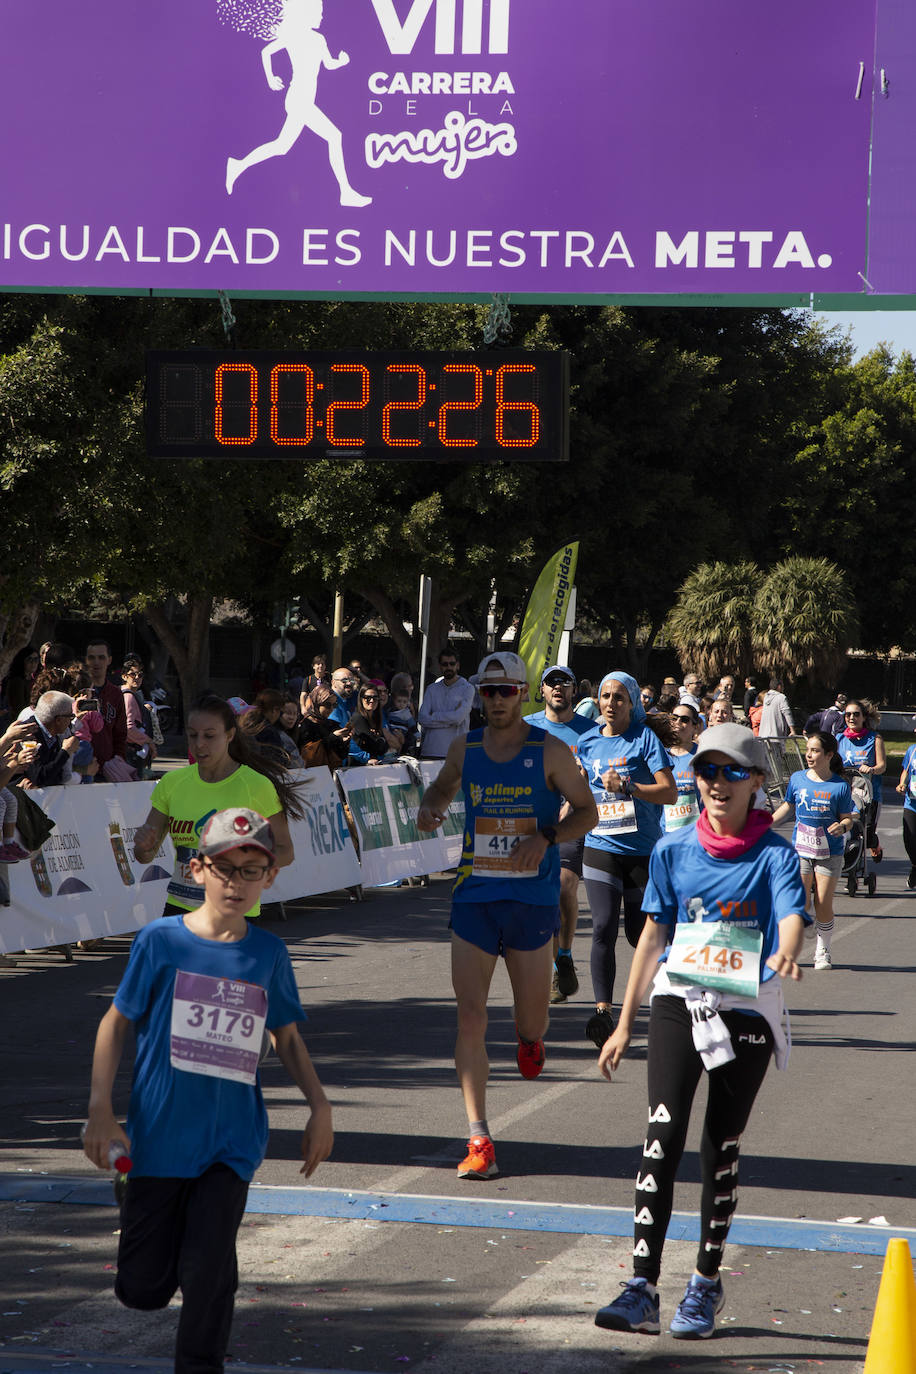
(695, 1318)
(635, 1310)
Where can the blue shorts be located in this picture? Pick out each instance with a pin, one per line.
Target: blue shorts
(498, 926)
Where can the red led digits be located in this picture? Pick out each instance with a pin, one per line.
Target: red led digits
(303, 370)
(418, 404)
(502, 406)
(252, 406)
(460, 405)
(330, 418)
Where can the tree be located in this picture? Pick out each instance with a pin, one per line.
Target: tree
(710, 622)
(851, 493)
(804, 620)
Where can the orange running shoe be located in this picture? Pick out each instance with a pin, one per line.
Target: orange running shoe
(480, 1161)
(530, 1056)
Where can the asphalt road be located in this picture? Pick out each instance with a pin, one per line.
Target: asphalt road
(372, 1268)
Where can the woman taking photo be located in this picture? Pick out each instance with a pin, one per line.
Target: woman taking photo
(322, 743)
(367, 732)
(862, 748)
(227, 772)
(716, 1004)
(824, 813)
(630, 775)
(685, 723)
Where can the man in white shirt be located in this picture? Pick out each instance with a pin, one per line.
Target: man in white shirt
(446, 710)
(690, 692)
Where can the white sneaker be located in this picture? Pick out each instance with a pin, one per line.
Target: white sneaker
(822, 959)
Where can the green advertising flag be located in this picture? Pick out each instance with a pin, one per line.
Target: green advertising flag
(545, 616)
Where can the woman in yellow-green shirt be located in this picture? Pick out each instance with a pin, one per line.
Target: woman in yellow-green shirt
(227, 772)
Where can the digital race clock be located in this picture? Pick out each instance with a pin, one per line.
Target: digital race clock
(454, 407)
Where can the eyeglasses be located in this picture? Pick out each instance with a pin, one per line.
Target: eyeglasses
(368, 698)
(501, 689)
(732, 772)
(852, 715)
(557, 682)
(249, 873)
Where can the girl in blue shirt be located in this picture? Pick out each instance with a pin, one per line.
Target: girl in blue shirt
(725, 906)
(685, 722)
(824, 813)
(907, 785)
(629, 773)
(862, 748)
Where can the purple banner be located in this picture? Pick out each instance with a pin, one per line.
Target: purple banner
(449, 146)
(891, 259)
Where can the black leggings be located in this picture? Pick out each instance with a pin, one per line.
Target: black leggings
(674, 1068)
(909, 835)
(612, 880)
(180, 1232)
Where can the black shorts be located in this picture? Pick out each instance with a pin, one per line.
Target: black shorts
(571, 852)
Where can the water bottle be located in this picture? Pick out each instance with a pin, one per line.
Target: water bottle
(118, 1158)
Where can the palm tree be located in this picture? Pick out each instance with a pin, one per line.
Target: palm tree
(804, 620)
(710, 623)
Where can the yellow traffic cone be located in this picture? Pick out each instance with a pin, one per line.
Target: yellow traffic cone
(892, 1343)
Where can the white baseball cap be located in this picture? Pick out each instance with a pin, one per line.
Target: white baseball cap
(502, 667)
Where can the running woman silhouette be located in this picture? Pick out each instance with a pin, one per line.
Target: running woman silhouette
(308, 52)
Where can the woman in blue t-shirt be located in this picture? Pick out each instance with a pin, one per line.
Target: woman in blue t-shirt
(862, 748)
(907, 785)
(629, 773)
(724, 927)
(824, 814)
(685, 722)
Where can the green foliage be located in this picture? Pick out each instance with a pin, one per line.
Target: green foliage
(710, 622)
(804, 620)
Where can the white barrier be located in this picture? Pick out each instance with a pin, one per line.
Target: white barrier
(383, 802)
(85, 883)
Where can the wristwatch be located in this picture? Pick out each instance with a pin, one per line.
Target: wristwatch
(549, 832)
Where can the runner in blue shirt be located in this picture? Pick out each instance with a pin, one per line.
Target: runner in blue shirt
(200, 989)
(725, 909)
(629, 773)
(862, 748)
(907, 785)
(558, 685)
(506, 895)
(685, 722)
(824, 814)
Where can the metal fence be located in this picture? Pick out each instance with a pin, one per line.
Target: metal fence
(784, 757)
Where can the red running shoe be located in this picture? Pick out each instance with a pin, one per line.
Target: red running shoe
(530, 1056)
(480, 1161)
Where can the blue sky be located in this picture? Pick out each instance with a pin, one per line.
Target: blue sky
(896, 328)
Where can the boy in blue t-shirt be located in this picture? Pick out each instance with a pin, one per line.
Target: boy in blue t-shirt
(201, 988)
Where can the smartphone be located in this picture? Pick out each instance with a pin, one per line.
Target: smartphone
(88, 704)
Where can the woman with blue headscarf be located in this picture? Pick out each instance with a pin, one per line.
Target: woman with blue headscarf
(630, 775)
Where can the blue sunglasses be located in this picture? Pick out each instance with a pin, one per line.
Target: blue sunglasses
(732, 772)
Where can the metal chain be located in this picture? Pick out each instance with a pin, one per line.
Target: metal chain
(228, 317)
(499, 319)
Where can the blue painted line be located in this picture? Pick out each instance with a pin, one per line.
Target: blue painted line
(562, 1218)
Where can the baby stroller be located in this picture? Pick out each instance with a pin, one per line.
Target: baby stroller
(856, 866)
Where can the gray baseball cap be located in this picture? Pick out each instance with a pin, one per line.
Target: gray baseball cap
(558, 668)
(737, 742)
(233, 829)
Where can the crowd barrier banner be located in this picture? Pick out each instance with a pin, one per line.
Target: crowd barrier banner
(384, 802)
(325, 858)
(85, 883)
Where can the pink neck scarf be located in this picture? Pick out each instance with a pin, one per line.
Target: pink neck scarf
(856, 735)
(733, 846)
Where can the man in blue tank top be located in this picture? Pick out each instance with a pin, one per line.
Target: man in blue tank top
(506, 895)
(558, 685)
